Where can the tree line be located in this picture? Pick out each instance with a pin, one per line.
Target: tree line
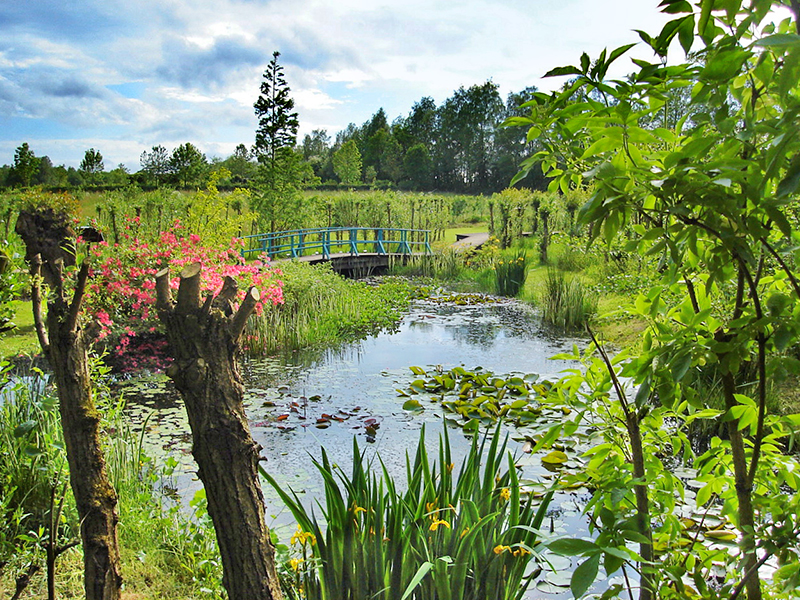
(459, 146)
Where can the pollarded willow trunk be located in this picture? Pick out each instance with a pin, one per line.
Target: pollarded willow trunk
(204, 342)
(46, 234)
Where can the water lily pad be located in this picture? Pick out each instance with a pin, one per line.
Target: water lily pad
(556, 457)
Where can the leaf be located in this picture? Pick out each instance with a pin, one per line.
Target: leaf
(781, 40)
(572, 546)
(558, 71)
(412, 404)
(791, 180)
(584, 575)
(556, 457)
(722, 535)
(24, 429)
(423, 570)
(417, 370)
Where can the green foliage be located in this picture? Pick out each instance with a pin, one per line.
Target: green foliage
(25, 166)
(709, 197)
(565, 302)
(477, 397)
(92, 164)
(468, 535)
(277, 123)
(187, 165)
(13, 281)
(347, 163)
(34, 460)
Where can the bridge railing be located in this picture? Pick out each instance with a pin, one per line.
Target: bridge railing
(327, 241)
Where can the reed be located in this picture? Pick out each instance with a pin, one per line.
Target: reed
(566, 303)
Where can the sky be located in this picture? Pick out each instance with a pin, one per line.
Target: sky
(122, 76)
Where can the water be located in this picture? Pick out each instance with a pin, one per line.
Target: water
(353, 391)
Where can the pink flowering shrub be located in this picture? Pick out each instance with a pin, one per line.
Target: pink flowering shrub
(121, 293)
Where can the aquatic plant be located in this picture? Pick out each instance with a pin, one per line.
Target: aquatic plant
(510, 271)
(320, 308)
(565, 303)
(467, 535)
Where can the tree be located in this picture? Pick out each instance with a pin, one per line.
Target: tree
(239, 164)
(347, 163)
(25, 166)
(155, 163)
(50, 250)
(714, 200)
(316, 149)
(417, 164)
(205, 339)
(277, 123)
(465, 145)
(92, 164)
(188, 165)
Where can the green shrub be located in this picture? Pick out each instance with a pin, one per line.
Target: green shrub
(465, 536)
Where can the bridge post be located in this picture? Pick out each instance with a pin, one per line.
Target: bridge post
(354, 241)
(326, 244)
(301, 244)
(379, 242)
(427, 245)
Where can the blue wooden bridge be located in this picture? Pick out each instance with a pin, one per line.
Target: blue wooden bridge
(348, 249)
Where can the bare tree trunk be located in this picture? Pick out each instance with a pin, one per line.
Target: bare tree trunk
(46, 234)
(204, 341)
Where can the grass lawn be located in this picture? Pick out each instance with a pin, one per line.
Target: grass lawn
(22, 339)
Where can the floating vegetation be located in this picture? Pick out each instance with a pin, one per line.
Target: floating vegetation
(465, 299)
(480, 397)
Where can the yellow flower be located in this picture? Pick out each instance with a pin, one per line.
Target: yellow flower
(295, 563)
(499, 549)
(450, 467)
(505, 493)
(302, 538)
(520, 551)
(431, 506)
(435, 524)
(358, 509)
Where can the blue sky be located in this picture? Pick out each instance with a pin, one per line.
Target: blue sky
(123, 76)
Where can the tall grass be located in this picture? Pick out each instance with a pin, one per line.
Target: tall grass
(321, 307)
(566, 303)
(467, 535)
(445, 265)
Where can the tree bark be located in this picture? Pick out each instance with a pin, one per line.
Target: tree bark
(744, 494)
(204, 343)
(46, 235)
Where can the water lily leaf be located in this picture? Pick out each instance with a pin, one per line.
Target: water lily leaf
(412, 405)
(282, 417)
(556, 457)
(417, 370)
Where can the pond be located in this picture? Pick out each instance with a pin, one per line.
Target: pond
(304, 401)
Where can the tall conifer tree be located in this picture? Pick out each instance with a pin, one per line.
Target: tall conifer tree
(277, 120)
